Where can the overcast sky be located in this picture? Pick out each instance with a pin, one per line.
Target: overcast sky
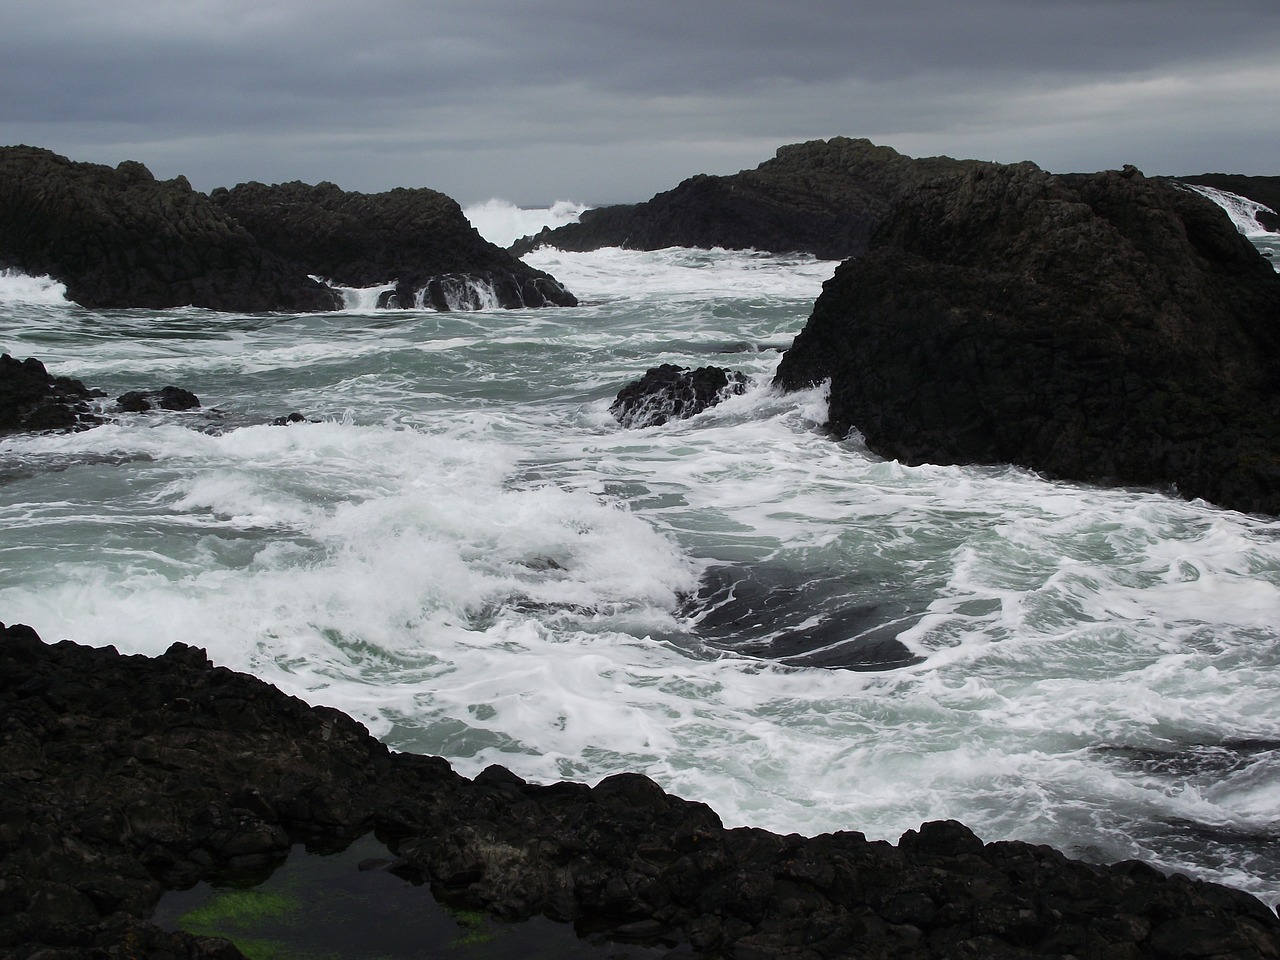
(604, 101)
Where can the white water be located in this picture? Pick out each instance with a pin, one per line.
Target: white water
(472, 557)
(1242, 211)
(503, 223)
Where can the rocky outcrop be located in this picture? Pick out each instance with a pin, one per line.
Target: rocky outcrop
(117, 237)
(32, 399)
(822, 197)
(124, 776)
(419, 238)
(1102, 327)
(166, 398)
(668, 392)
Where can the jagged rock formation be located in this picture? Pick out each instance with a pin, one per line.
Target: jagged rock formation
(117, 237)
(419, 238)
(668, 392)
(822, 197)
(123, 776)
(1099, 327)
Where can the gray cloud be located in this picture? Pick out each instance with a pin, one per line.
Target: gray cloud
(545, 99)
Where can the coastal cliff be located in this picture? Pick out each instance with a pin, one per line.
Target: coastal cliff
(1101, 327)
(125, 776)
(117, 237)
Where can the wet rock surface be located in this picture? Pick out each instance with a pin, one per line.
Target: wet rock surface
(668, 392)
(823, 197)
(1100, 327)
(123, 776)
(32, 399)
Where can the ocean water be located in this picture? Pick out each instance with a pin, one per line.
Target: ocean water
(467, 553)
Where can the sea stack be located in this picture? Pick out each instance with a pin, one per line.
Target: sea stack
(1103, 327)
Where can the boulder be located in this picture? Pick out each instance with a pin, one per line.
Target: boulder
(117, 237)
(668, 392)
(822, 197)
(417, 237)
(125, 776)
(1096, 327)
(166, 398)
(31, 399)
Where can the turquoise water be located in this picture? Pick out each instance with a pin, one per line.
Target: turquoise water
(469, 555)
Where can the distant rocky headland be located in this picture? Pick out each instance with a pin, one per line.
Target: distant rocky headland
(122, 777)
(118, 237)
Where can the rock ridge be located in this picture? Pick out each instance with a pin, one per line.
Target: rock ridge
(119, 238)
(123, 776)
(822, 197)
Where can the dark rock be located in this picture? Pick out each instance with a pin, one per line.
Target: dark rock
(123, 776)
(120, 238)
(822, 197)
(31, 399)
(420, 238)
(669, 392)
(294, 417)
(1100, 327)
(166, 398)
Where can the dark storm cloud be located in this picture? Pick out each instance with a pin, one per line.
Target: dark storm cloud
(604, 101)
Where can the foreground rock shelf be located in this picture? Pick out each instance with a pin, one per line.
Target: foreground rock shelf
(124, 776)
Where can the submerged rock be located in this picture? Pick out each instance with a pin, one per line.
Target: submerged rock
(166, 398)
(669, 392)
(1102, 327)
(124, 776)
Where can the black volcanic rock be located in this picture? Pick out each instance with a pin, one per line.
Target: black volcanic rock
(418, 237)
(124, 776)
(117, 237)
(166, 398)
(668, 392)
(1098, 327)
(822, 197)
(31, 399)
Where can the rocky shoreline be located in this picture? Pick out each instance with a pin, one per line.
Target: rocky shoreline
(125, 776)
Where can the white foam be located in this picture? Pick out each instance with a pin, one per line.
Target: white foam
(682, 272)
(503, 223)
(1242, 211)
(18, 287)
